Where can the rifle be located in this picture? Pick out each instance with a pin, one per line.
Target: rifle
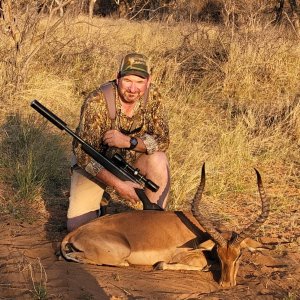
(117, 165)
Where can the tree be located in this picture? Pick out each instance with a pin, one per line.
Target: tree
(19, 22)
(294, 15)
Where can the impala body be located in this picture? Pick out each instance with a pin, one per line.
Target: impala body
(146, 238)
(166, 239)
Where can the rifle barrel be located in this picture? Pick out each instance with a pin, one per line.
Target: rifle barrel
(49, 115)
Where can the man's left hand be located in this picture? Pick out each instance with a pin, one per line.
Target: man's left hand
(114, 138)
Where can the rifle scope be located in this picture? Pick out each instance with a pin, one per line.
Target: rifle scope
(120, 161)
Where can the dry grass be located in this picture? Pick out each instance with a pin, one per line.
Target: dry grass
(231, 96)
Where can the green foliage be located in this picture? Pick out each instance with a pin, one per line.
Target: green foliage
(40, 292)
(38, 278)
(32, 158)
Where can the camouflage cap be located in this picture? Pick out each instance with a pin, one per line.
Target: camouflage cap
(134, 64)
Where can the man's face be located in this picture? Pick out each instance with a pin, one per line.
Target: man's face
(132, 87)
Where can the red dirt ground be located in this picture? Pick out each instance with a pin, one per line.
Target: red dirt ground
(29, 268)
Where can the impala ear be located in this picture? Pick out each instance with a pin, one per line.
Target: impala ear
(207, 245)
(253, 245)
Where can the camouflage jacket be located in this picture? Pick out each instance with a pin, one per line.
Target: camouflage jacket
(148, 123)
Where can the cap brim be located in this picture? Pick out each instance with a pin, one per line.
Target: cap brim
(135, 72)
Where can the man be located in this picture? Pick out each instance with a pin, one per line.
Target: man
(139, 132)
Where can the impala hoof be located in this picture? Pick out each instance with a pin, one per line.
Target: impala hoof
(160, 265)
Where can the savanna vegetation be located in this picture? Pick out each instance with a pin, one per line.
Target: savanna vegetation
(229, 72)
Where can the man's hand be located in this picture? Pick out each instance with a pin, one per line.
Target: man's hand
(127, 191)
(114, 138)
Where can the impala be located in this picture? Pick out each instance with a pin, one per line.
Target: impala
(165, 239)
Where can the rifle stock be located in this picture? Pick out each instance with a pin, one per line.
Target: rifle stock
(103, 160)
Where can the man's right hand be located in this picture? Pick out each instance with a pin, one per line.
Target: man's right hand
(126, 189)
(114, 138)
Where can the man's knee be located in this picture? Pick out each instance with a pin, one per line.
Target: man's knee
(85, 194)
(159, 157)
(157, 160)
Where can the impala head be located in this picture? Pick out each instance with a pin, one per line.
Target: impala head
(230, 249)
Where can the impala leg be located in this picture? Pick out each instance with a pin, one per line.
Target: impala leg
(192, 260)
(109, 248)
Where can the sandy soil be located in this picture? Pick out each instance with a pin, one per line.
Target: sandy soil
(30, 269)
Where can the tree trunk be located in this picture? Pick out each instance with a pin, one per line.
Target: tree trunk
(91, 8)
(279, 11)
